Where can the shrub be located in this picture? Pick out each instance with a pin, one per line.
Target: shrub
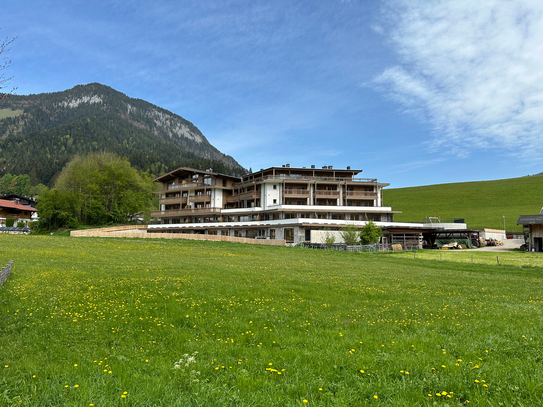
(21, 224)
(350, 235)
(10, 222)
(329, 239)
(370, 234)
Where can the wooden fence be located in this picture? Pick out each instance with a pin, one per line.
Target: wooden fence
(140, 231)
(6, 271)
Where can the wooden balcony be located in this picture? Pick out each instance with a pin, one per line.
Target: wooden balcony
(296, 192)
(184, 212)
(189, 185)
(326, 193)
(243, 196)
(200, 198)
(172, 200)
(360, 194)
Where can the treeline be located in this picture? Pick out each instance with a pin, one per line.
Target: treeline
(20, 185)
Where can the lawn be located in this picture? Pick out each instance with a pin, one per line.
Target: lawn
(143, 322)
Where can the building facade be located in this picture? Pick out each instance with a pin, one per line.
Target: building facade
(15, 210)
(274, 203)
(533, 231)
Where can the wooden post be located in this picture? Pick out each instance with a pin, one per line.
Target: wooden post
(498, 260)
(472, 258)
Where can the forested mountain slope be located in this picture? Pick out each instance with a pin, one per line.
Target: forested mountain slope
(40, 133)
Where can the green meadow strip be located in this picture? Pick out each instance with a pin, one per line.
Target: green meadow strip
(143, 322)
(481, 204)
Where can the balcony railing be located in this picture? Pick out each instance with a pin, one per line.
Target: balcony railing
(326, 193)
(200, 198)
(360, 194)
(305, 178)
(243, 195)
(184, 212)
(189, 185)
(172, 200)
(300, 192)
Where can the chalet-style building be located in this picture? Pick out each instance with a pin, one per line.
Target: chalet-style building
(275, 203)
(15, 210)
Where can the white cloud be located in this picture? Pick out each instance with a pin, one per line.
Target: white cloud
(472, 69)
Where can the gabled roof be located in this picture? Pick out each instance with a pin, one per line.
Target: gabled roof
(530, 220)
(12, 205)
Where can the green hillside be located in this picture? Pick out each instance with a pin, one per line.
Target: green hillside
(482, 204)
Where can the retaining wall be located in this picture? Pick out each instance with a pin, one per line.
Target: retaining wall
(141, 232)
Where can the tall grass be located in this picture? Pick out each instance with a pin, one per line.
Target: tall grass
(111, 322)
(482, 204)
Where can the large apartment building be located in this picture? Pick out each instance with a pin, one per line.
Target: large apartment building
(274, 203)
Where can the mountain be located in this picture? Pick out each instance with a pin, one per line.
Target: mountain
(40, 133)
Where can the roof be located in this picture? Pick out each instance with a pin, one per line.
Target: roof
(530, 220)
(175, 173)
(12, 205)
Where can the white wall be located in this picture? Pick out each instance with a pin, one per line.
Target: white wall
(319, 236)
(268, 194)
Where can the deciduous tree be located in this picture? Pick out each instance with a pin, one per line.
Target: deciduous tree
(370, 234)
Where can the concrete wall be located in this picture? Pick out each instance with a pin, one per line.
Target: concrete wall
(319, 236)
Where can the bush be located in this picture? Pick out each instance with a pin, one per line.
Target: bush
(10, 222)
(370, 234)
(21, 224)
(350, 235)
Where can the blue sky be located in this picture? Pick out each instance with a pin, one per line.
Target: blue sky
(413, 92)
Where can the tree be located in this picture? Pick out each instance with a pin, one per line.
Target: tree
(96, 189)
(370, 234)
(4, 63)
(350, 235)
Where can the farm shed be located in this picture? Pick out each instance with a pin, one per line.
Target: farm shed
(533, 224)
(429, 238)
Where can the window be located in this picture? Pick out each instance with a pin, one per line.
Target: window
(274, 186)
(272, 233)
(275, 201)
(289, 235)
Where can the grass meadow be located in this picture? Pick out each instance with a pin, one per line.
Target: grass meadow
(144, 322)
(482, 204)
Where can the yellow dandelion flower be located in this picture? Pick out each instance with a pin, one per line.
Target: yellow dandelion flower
(375, 396)
(305, 401)
(76, 385)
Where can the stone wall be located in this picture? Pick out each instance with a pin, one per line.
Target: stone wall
(6, 271)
